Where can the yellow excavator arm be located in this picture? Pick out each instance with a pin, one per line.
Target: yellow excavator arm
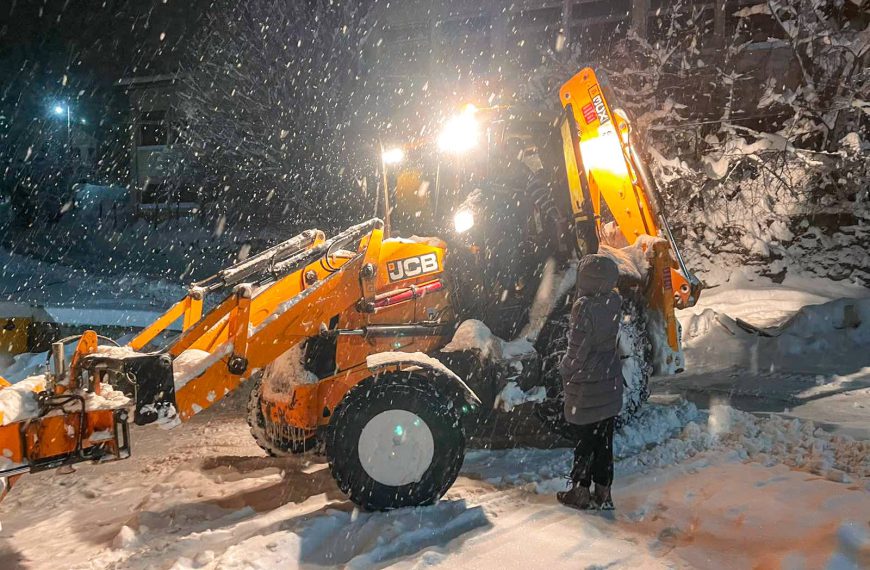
(603, 163)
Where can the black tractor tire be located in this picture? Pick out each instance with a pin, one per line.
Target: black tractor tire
(426, 422)
(275, 447)
(635, 352)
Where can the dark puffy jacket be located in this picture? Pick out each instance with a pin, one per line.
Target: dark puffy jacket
(591, 370)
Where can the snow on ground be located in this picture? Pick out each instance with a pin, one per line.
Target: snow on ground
(815, 367)
(692, 490)
(763, 303)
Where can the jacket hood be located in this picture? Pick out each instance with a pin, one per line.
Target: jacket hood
(596, 274)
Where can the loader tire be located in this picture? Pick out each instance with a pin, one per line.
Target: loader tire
(395, 441)
(275, 447)
(635, 352)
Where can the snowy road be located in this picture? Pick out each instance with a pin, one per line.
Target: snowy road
(207, 497)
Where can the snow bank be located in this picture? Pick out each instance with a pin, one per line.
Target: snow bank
(816, 337)
(829, 326)
(665, 435)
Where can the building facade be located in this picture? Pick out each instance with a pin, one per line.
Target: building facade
(155, 134)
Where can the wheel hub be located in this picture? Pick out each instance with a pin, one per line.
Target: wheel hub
(396, 448)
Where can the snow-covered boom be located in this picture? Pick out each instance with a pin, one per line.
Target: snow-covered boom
(342, 338)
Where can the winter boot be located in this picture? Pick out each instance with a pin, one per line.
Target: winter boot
(601, 498)
(576, 497)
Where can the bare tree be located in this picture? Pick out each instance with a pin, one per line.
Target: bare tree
(758, 168)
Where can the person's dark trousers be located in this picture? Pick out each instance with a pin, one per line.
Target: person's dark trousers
(593, 454)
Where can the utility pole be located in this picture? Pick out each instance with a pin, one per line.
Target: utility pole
(386, 193)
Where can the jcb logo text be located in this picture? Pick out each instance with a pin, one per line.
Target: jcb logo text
(412, 267)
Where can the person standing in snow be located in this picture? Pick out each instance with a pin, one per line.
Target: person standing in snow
(592, 381)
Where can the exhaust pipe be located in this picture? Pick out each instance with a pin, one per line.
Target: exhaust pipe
(57, 353)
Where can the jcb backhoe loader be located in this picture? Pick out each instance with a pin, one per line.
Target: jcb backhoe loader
(341, 337)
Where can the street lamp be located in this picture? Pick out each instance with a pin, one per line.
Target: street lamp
(393, 155)
(60, 109)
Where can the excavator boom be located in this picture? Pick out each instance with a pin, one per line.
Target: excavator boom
(604, 164)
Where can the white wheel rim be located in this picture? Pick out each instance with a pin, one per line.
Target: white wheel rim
(396, 448)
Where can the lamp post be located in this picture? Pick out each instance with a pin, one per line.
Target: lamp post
(393, 155)
(60, 110)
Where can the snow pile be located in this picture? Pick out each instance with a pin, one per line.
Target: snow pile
(652, 426)
(126, 538)
(512, 396)
(831, 326)
(25, 365)
(415, 239)
(473, 334)
(18, 402)
(814, 338)
(119, 352)
(632, 260)
(107, 399)
(665, 435)
(798, 444)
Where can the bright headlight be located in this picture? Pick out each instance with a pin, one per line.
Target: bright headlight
(463, 221)
(461, 133)
(393, 155)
